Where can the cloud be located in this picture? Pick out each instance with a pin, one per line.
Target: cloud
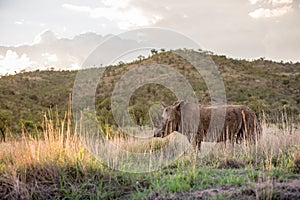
(49, 51)
(125, 18)
(278, 8)
(254, 1)
(74, 66)
(272, 2)
(268, 13)
(77, 8)
(12, 62)
(18, 22)
(116, 3)
(281, 2)
(45, 36)
(50, 57)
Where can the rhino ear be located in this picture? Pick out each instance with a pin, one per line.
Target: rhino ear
(178, 105)
(163, 104)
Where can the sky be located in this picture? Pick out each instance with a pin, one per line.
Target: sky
(237, 28)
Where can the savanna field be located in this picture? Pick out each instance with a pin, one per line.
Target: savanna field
(42, 156)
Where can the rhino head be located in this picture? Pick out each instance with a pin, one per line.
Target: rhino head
(181, 116)
(169, 121)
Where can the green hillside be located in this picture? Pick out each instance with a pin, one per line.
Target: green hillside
(263, 85)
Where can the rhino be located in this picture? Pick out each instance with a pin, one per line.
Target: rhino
(194, 121)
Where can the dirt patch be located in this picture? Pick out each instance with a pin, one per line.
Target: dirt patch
(274, 189)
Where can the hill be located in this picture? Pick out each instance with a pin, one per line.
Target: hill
(261, 84)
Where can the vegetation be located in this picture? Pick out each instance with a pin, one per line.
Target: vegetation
(44, 158)
(265, 86)
(28, 171)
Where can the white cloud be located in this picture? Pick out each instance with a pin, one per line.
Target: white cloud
(272, 2)
(281, 2)
(50, 57)
(76, 8)
(18, 22)
(125, 18)
(116, 3)
(46, 36)
(12, 62)
(254, 1)
(74, 66)
(267, 13)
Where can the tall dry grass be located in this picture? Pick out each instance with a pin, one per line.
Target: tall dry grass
(56, 143)
(277, 147)
(33, 167)
(59, 143)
